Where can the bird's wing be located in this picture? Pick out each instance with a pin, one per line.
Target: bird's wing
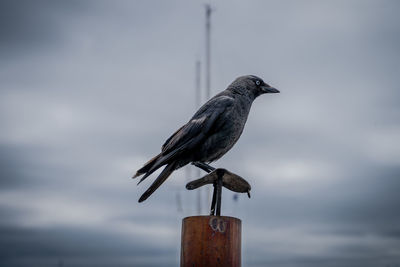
(204, 121)
(192, 133)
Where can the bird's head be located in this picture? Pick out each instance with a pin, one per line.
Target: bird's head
(252, 85)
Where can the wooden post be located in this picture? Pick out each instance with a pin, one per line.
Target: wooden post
(211, 241)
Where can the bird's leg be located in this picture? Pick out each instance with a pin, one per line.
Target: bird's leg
(214, 198)
(219, 192)
(204, 166)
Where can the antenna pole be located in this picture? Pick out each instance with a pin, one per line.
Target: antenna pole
(208, 52)
(198, 83)
(198, 102)
(208, 62)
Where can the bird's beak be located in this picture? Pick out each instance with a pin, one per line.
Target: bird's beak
(269, 89)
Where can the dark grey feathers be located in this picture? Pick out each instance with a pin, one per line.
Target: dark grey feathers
(210, 133)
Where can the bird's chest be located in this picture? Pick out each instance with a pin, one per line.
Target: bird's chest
(223, 139)
(232, 130)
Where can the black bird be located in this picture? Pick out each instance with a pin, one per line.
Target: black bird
(210, 133)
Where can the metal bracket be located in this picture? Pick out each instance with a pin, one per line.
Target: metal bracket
(219, 178)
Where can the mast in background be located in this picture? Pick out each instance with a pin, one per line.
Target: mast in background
(198, 103)
(208, 52)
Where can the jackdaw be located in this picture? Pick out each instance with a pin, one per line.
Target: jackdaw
(210, 133)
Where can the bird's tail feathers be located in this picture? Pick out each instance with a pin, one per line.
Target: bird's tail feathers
(160, 179)
(155, 163)
(147, 166)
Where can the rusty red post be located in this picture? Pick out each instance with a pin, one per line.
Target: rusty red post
(211, 241)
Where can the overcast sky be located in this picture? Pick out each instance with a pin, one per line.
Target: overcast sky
(89, 91)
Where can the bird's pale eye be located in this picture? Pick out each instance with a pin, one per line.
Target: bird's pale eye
(258, 82)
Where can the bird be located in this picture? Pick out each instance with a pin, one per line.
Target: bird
(210, 133)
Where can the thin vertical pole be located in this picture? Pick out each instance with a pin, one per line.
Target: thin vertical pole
(198, 102)
(208, 52)
(219, 193)
(208, 63)
(198, 83)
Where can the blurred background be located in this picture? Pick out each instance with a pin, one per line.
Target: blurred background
(89, 91)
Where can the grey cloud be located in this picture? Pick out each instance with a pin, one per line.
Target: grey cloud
(77, 247)
(90, 90)
(27, 25)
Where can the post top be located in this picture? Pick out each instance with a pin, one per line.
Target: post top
(208, 217)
